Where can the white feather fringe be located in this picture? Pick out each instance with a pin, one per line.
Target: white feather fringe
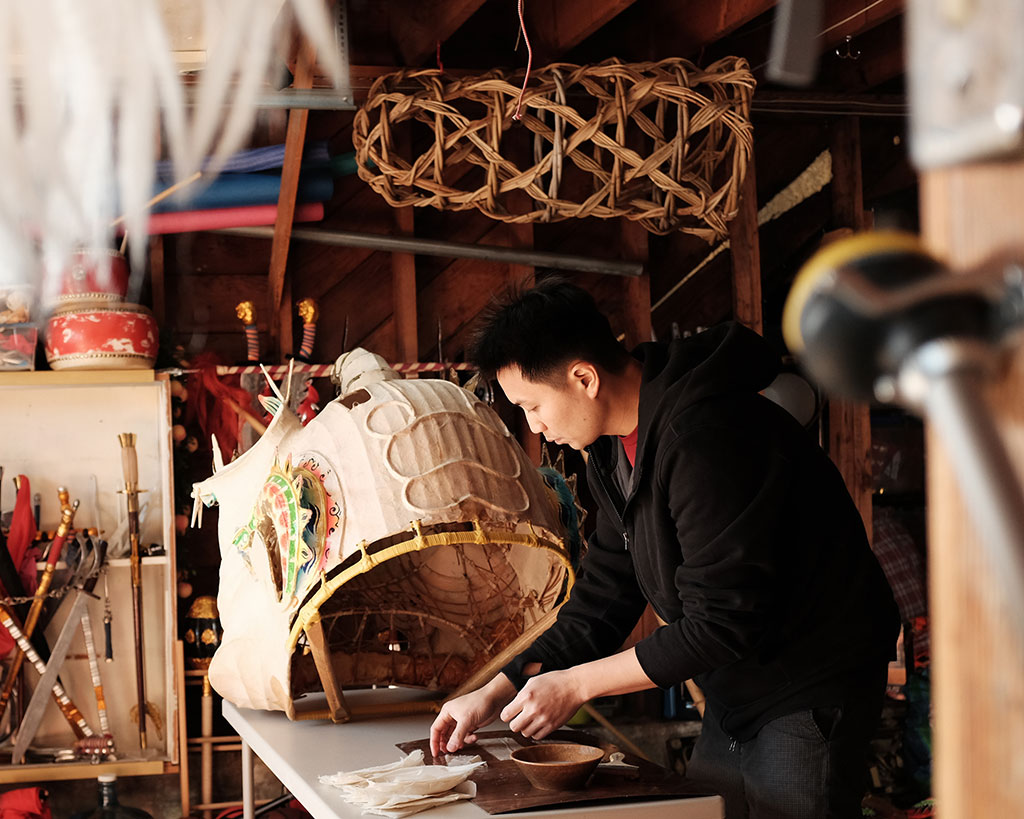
(94, 97)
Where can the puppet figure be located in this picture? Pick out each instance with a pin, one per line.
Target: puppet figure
(246, 312)
(403, 528)
(308, 312)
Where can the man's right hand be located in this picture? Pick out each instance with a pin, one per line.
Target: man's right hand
(459, 719)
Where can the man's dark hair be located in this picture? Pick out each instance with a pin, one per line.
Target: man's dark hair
(540, 329)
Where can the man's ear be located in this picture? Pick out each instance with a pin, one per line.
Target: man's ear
(585, 377)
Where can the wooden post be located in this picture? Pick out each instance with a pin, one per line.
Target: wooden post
(158, 280)
(746, 256)
(280, 311)
(403, 272)
(182, 755)
(637, 301)
(849, 423)
(637, 314)
(206, 750)
(968, 213)
(521, 235)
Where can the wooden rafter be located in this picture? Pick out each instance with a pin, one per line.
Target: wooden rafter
(280, 312)
(419, 25)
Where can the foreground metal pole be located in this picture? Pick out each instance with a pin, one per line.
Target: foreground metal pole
(945, 379)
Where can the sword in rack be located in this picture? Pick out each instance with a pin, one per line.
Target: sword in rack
(130, 468)
(83, 581)
(108, 651)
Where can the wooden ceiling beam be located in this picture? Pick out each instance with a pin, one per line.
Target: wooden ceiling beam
(698, 23)
(419, 25)
(559, 27)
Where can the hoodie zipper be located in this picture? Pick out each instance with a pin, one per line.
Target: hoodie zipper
(620, 510)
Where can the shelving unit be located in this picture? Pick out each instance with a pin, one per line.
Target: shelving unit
(60, 429)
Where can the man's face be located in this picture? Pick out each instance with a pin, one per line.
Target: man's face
(562, 410)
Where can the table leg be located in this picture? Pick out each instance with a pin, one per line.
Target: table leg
(206, 752)
(248, 801)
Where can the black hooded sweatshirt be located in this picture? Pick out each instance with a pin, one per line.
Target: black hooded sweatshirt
(739, 531)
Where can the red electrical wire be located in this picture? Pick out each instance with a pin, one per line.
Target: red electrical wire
(529, 62)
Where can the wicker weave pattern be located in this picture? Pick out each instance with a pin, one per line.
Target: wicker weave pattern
(665, 143)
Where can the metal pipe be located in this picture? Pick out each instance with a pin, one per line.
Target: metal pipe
(436, 247)
(311, 99)
(248, 792)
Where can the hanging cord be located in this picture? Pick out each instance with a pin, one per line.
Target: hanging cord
(529, 62)
(440, 65)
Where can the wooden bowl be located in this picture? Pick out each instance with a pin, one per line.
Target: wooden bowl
(555, 767)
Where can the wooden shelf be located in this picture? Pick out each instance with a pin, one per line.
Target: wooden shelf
(54, 771)
(66, 425)
(70, 378)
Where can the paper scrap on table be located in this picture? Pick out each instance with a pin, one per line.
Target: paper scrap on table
(500, 748)
(407, 786)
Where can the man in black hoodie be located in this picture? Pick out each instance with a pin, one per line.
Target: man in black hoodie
(717, 508)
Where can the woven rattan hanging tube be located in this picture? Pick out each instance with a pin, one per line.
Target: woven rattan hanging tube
(662, 143)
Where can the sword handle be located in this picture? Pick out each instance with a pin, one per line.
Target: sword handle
(67, 517)
(129, 461)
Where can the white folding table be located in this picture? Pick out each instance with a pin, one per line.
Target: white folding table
(298, 753)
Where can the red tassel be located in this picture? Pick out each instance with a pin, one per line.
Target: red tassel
(208, 392)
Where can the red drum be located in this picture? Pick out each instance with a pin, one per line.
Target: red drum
(93, 277)
(122, 337)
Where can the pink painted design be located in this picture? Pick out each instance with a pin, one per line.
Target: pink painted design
(330, 511)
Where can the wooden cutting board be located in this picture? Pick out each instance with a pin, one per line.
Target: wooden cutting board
(501, 788)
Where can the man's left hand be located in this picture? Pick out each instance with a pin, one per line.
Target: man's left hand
(544, 704)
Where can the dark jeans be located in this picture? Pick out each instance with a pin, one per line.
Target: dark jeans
(811, 764)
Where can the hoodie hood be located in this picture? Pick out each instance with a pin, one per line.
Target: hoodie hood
(729, 358)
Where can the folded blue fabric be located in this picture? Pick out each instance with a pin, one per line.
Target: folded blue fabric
(240, 189)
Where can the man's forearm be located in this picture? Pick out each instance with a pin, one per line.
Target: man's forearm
(500, 688)
(618, 674)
